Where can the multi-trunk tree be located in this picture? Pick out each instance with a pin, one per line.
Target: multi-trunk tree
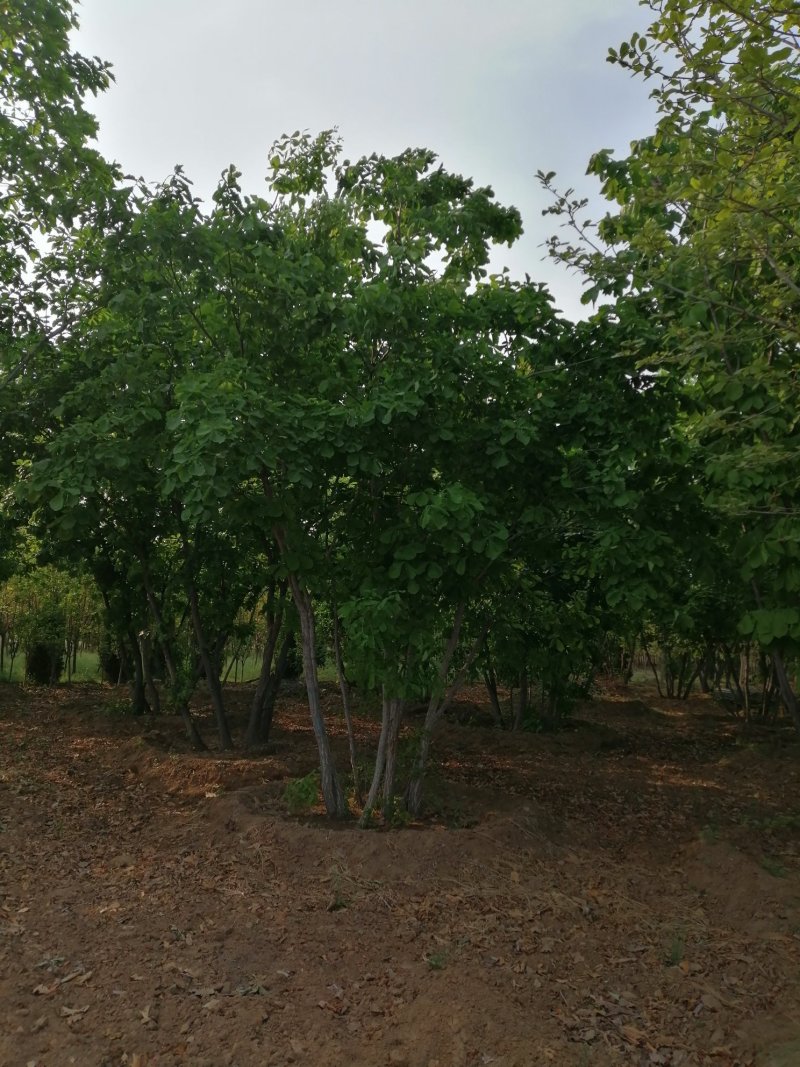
(321, 403)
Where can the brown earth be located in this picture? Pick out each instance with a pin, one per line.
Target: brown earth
(627, 892)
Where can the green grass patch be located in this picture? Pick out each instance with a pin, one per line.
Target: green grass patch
(87, 669)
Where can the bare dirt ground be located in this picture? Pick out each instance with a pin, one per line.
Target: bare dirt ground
(627, 892)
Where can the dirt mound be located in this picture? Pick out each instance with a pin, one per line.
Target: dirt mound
(755, 895)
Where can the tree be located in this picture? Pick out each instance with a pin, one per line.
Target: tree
(49, 174)
(50, 177)
(702, 257)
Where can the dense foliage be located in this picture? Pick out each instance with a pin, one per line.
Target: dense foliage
(314, 423)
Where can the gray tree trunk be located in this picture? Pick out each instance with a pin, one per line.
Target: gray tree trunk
(335, 803)
(344, 689)
(522, 701)
(380, 763)
(266, 677)
(788, 695)
(212, 675)
(439, 705)
(138, 697)
(150, 688)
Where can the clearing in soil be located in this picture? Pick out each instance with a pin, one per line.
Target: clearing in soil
(624, 892)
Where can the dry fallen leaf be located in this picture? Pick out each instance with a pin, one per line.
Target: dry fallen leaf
(337, 1007)
(46, 990)
(72, 1013)
(633, 1035)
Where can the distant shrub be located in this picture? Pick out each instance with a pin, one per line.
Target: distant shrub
(302, 794)
(43, 663)
(111, 666)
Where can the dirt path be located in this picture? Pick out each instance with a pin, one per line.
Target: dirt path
(626, 893)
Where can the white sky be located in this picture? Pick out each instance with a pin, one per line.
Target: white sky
(498, 88)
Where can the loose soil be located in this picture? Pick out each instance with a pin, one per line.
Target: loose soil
(626, 892)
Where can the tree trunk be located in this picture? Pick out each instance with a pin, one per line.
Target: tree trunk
(139, 705)
(262, 709)
(707, 670)
(788, 695)
(192, 732)
(395, 716)
(733, 673)
(415, 790)
(12, 657)
(438, 706)
(252, 736)
(653, 668)
(150, 688)
(380, 764)
(257, 726)
(744, 676)
(211, 672)
(490, 680)
(522, 701)
(335, 803)
(383, 777)
(626, 662)
(163, 639)
(344, 689)
(687, 686)
(180, 705)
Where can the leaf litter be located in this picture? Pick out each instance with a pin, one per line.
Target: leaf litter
(568, 904)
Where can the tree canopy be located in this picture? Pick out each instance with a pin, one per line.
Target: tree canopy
(318, 411)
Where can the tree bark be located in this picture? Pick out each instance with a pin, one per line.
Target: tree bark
(155, 611)
(139, 705)
(344, 689)
(439, 705)
(266, 679)
(653, 667)
(262, 708)
(490, 681)
(380, 763)
(179, 699)
(687, 687)
(394, 712)
(522, 701)
(788, 695)
(415, 790)
(150, 688)
(211, 672)
(335, 803)
(733, 673)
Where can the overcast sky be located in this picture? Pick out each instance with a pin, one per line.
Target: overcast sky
(498, 88)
